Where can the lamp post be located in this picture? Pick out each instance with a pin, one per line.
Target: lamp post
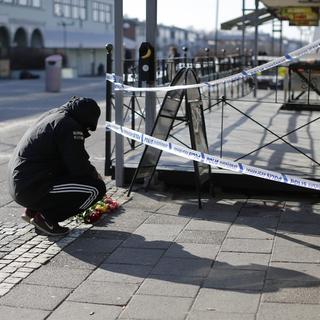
(118, 54)
(151, 31)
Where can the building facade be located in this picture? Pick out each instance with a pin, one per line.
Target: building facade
(30, 30)
(77, 29)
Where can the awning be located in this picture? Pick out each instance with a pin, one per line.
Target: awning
(76, 39)
(297, 12)
(251, 19)
(82, 40)
(291, 3)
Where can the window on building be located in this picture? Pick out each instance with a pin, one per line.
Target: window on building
(75, 9)
(179, 35)
(22, 2)
(36, 3)
(101, 12)
(192, 37)
(25, 3)
(172, 34)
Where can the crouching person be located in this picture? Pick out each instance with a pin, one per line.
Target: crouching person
(50, 173)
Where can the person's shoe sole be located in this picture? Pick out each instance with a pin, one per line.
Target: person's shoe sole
(26, 218)
(46, 232)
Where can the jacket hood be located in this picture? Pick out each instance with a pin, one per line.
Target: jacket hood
(85, 111)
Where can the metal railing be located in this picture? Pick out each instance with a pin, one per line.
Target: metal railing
(207, 68)
(284, 86)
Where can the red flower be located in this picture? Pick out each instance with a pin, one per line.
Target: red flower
(113, 205)
(95, 216)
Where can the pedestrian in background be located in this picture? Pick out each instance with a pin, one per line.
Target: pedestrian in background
(172, 62)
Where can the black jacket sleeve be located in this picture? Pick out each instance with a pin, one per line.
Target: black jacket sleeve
(69, 139)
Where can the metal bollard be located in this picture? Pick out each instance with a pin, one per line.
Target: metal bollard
(107, 163)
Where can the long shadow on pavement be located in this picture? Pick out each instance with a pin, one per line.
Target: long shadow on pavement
(130, 258)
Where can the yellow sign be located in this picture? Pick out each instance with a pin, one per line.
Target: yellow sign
(300, 16)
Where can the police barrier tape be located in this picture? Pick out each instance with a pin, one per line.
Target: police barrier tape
(210, 159)
(118, 81)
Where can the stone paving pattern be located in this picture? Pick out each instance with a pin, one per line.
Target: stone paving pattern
(161, 257)
(22, 250)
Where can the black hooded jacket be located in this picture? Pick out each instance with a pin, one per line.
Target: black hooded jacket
(53, 147)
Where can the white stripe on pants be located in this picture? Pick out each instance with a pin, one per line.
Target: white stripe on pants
(81, 188)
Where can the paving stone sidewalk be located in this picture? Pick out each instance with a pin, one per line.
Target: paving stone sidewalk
(161, 257)
(22, 250)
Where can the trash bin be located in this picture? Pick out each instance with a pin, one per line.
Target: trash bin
(53, 73)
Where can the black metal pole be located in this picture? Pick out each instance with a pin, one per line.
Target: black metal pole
(133, 116)
(208, 79)
(107, 163)
(208, 62)
(256, 39)
(185, 49)
(243, 42)
(309, 81)
(222, 100)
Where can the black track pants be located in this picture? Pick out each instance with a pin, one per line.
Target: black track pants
(69, 196)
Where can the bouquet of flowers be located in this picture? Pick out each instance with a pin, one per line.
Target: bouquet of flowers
(94, 213)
